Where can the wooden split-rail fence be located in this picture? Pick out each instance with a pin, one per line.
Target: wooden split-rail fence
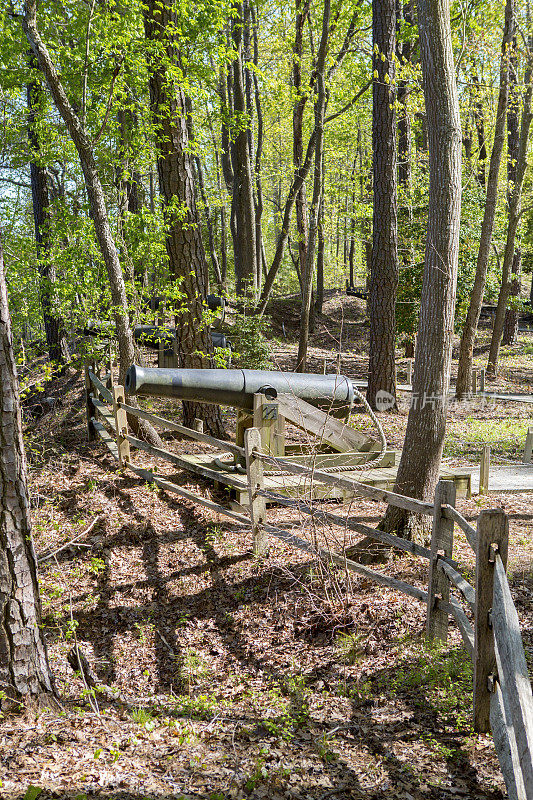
(502, 697)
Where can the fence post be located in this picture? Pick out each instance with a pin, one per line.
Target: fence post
(254, 472)
(266, 420)
(528, 449)
(441, 544)
(474, 381)
(482, 380)
(109, 382)
(91, 410)
(492, 535)
(484, 469)
(410, 372)
(121, 425)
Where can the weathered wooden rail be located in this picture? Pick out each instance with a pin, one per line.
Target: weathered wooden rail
(502, 697)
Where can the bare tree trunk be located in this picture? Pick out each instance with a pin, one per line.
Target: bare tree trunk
(424, 438)
(319, 297)
(97, 204)
(464, 369)
(513, 217)
(510, 326)
(183, 241)
(208, 223)
(56, 338)
(300, 101)
(308, 267)
(243, 206)
(24, 670)
(479, 120)
(385, 270)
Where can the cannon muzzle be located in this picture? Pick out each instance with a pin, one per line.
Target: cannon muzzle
(236, 387)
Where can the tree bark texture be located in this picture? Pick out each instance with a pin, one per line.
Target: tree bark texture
(466, 351)
(183, 241)
(56, 338)
(479, 120)
(24, 668)
(243, 205)
(510, 326)
(384, 270)
(308, 265)
(513, 219)
(424, 438)
(300, 101)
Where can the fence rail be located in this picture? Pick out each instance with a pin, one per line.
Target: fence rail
(502, 698)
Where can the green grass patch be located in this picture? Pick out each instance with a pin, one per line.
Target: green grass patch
(506, 438)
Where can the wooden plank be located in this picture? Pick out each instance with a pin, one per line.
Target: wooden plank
(513, 671)
(453, 608)
(470, 532)
(484, 470)
(121, 426)
(528, 449)
(184, 463)
(168, 486)
(198, 436)
(326, 517)
(353, 566)
(466, 589)
(328, 429)
(441, 543)
(257, 505)
(346, 459)
(106, 438)
(352, 486)
(505, 745)
(97, 383)
(492, 531)
(89, 406)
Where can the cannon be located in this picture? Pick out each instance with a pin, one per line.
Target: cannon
(214, 301)
(151, 337)
(148, 335)
(236, 387)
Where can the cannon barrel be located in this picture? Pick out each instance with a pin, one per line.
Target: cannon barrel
(151, 336)
(213, 301)
(236, 387)
(148, 335)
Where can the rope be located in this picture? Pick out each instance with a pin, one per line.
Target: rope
(354, 467)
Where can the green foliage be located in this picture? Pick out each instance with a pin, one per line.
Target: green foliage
(435, 677)
(251, 349)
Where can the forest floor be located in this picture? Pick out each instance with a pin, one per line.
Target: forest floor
(237, 677)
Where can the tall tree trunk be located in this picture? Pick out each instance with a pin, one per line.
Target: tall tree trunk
(510, 327)
(424, 437)
(24, 670)
(300, 101)
(97, 205)
(479, 119)
(208, 223)
(183, 240)
(243, 206)
(464, 368)
(258, 197)
(404, 51)
(513, 219)
(56, 338)
(319, 297)
(308, 266)
(384, 271)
